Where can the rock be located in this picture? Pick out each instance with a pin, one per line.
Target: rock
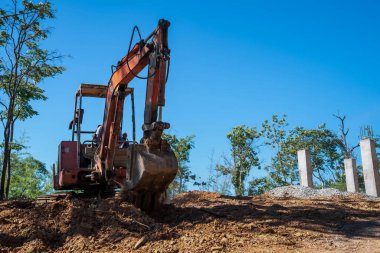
(140, 242)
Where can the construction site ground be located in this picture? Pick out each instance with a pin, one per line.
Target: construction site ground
(193, 222)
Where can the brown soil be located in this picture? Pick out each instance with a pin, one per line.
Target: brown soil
(194, 222)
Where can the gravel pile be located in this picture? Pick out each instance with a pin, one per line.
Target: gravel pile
(303, 192)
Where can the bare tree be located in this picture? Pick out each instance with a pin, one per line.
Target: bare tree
(347, 150)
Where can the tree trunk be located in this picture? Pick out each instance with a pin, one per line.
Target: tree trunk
(5, 159)
(241, 186)
(8, 174)
(4, 171)
(321, 178)
(180, 184)
(6, 152)
(9, 161)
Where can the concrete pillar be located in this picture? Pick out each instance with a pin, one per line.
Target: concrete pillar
(370, 167)
(351, 175)
(304, 165)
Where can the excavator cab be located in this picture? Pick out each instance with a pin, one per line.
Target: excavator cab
(76, 157)
(76, 160)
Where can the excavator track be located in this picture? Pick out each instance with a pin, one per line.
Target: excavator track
(53, 197)
(94, 193)
(146, 201)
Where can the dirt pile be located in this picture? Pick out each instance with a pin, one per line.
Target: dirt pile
(194, 222)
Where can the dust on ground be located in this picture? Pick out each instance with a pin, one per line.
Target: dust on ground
(194, 222)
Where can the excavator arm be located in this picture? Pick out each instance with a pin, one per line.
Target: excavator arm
(151, 165)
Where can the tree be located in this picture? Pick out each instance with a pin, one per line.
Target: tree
(324, 147)
(30, 178)
(347, 152)
(216, 181)
(260, 185)
(342, 141)
(24, 64)
(282, 168)
(181, 148)
(276, 136)
(244, 156)
(324, 151)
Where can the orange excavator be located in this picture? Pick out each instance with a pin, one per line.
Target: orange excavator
(104, 163)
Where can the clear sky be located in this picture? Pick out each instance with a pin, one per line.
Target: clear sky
(233, 62)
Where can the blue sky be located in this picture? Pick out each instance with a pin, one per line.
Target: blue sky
(233, 62)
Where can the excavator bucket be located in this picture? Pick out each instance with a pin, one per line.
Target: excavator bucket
(150, 175)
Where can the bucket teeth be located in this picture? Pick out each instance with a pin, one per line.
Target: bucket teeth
(146, 201)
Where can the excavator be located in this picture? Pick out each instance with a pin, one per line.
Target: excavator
(142, 170)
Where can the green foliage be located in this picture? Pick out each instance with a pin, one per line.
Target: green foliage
(181, 148)
(243, 156)
(29, 178)
(326, 157)
(376, 139)
(359, 170)
(325, 150)
(281, 170)
(339, 182)
(24, 64)
(275, 131)
(259, 186)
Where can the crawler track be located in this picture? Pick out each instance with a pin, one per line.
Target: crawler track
(144, 201)
(53, 197)
(74, 195)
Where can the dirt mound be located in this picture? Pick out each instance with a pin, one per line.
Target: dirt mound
(194, 222)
